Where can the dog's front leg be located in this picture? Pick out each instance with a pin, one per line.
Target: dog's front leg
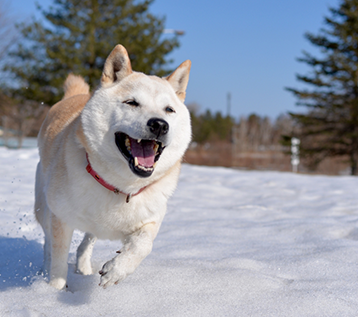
(61, 235)
(136, 247)
(84, 253)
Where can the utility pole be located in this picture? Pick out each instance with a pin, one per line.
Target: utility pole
(228, 98)
(233, 130)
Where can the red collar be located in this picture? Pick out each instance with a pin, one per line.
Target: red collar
(100, 180)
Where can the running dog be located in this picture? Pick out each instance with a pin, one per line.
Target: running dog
(108, 164)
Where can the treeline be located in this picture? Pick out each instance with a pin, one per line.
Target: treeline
(250, 142)
(255, 133)
(251, 133)
(210, 127)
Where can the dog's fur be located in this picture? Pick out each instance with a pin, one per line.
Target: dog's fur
(69, 198)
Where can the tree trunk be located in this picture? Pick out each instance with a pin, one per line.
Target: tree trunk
(353, 164)
(5, 136)
(20, 135)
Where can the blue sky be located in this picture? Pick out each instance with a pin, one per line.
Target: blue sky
(247, 48)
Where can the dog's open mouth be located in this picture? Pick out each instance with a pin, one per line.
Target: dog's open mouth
(142, 155)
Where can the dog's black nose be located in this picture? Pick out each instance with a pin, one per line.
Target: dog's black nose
(158, 126)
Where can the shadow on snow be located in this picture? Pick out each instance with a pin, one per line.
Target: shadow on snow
(20, 261)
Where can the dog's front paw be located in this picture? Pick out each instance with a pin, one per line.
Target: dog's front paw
(84, 267)
(111, 273)
(58, 283)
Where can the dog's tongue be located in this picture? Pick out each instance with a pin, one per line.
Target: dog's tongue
(144, 152)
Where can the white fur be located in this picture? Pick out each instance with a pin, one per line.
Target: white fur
(68, 198)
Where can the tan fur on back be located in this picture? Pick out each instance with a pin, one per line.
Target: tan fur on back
(62, 114)
(75, 85)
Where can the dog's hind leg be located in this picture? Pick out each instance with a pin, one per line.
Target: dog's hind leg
(43, 216)
(61, 235)
(84, 253)
(46, 226)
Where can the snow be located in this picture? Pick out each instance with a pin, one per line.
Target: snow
(233, 243)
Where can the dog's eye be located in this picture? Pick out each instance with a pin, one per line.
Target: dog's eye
(169, 109)
(132, 102)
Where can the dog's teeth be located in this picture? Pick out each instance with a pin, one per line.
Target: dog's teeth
(146, 169)
(156, 147)
(128, 143)
(136, 161)
(139, 140)
(155, 164)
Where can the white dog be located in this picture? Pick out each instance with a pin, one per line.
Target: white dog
(108, 164)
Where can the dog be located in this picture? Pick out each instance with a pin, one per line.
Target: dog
(108, 164)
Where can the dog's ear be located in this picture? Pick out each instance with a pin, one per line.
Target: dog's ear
(179, 79)
(117, 66)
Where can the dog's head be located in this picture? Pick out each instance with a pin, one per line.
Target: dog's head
(136, 119)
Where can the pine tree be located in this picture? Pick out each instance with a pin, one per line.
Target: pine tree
(211, 128)
(330, 126)
(77, 36)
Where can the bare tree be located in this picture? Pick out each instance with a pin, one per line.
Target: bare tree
(7, 30)
(19, 118)
(256, 133)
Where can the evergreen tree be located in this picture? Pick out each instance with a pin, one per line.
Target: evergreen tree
(330, 127)
(209, 128)
(77, 36)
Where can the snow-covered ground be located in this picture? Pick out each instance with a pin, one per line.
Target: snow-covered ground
(234, 243)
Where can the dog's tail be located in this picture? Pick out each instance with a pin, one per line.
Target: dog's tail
(75, 85)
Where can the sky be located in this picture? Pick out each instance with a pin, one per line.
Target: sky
(247, 49)
(233, 243)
